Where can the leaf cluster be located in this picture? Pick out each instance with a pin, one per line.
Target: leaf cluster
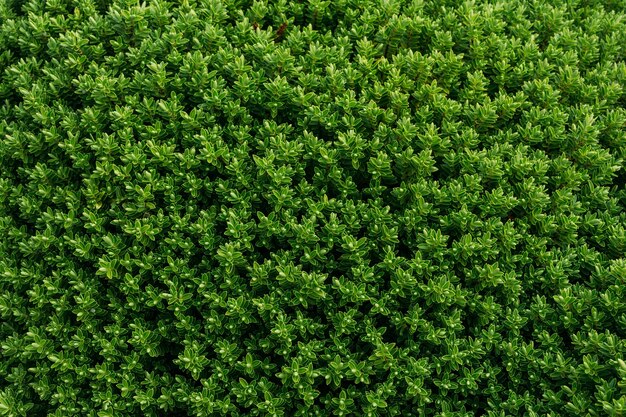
(275, 208)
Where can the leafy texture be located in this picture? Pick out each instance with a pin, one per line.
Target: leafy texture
(312, 208)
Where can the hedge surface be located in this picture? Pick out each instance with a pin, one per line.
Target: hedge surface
(312, 208)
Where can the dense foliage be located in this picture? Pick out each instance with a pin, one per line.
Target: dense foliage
(312, 208)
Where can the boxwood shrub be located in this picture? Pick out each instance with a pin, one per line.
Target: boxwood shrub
(312, 208)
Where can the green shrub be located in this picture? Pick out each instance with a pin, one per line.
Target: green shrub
(312, 208)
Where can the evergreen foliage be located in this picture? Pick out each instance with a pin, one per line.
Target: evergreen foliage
(312, 208)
